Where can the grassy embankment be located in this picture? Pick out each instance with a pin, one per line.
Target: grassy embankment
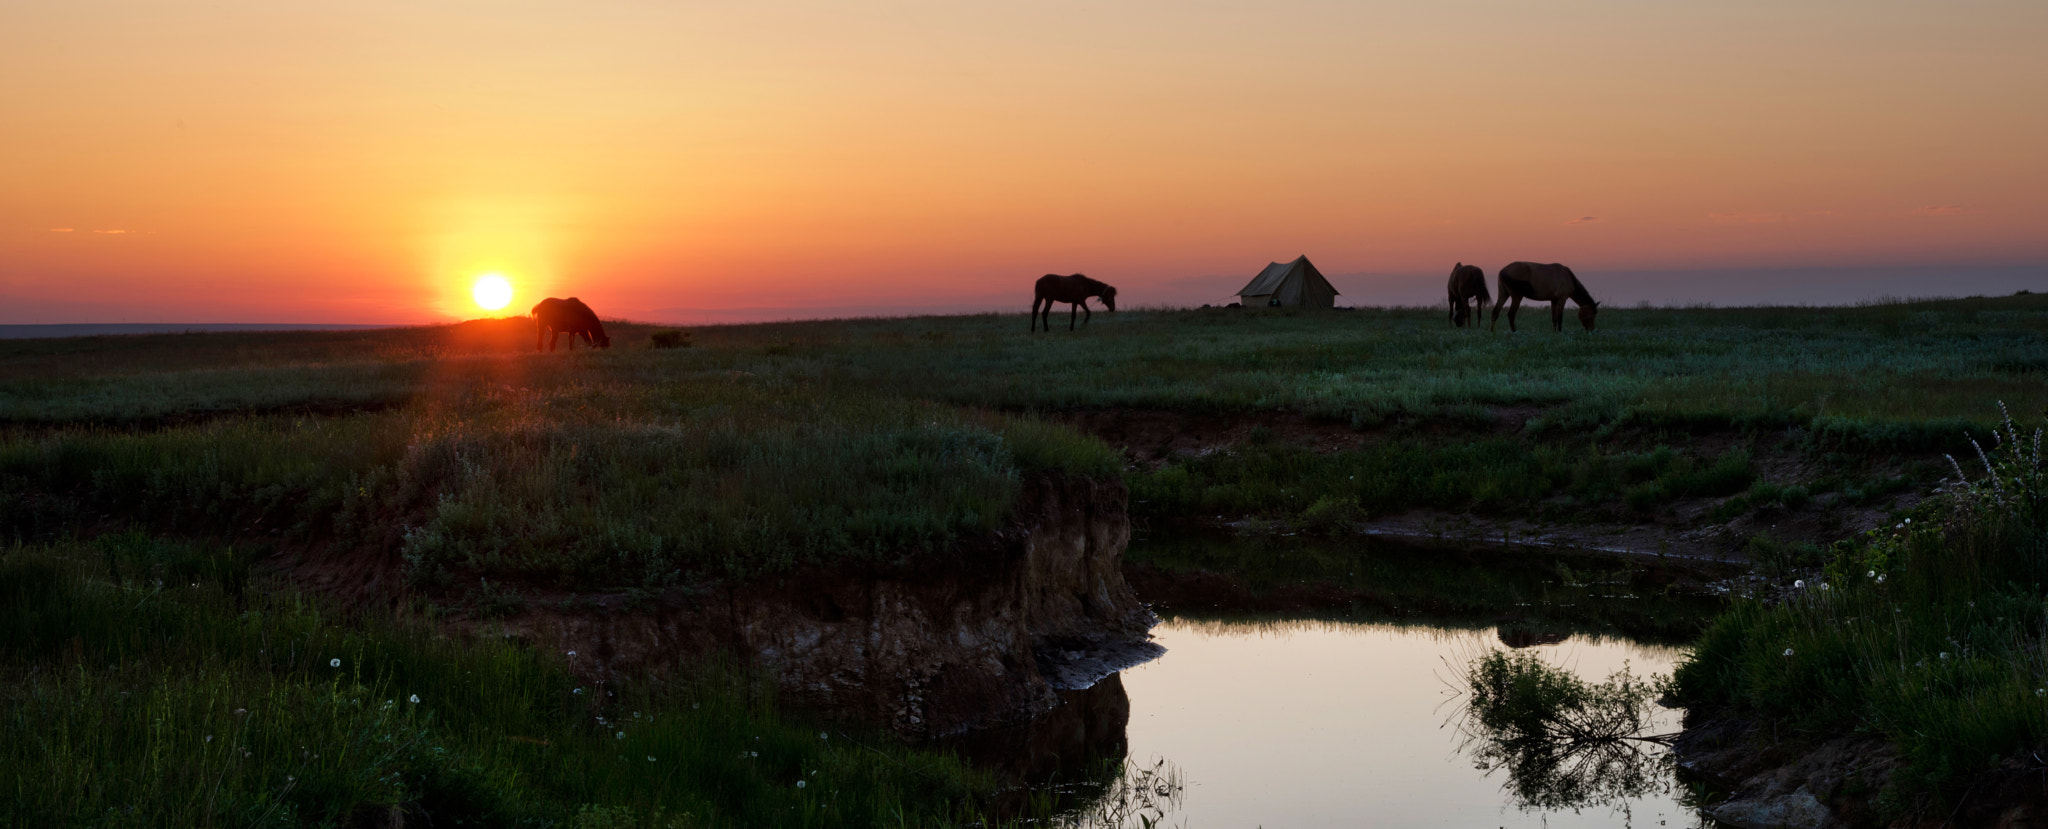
(1928, 633)
(1379, 581)
(146, 683)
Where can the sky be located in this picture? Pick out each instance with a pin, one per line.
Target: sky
(365, 162)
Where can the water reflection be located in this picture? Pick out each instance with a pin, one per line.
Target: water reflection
(1318, 684)
(1321, 723)
(1565, 742)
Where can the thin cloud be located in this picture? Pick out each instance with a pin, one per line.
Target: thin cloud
(1746, 218)
(60, 230)
(1938, 210)
(110, 231)
(1583, 220)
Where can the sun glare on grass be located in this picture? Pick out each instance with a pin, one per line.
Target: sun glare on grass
(492, 292)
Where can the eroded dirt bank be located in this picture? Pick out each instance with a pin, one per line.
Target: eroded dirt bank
(1805, 781)
(985, 639)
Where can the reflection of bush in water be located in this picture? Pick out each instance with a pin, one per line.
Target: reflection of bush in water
(1137, 796)
(1565, 743)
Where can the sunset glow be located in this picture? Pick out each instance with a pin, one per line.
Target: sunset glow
(492, 292)
(170, 160)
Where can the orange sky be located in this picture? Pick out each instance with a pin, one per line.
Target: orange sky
(364, 162)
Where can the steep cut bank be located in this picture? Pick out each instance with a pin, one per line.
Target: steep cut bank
(981, 639)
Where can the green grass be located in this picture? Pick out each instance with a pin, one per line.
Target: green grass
(1848, 370)
(1484, 474)
(145, 683)
(1928, 632)
(862, 443)
(579, 484)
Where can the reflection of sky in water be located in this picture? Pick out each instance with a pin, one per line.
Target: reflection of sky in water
(1333, 724)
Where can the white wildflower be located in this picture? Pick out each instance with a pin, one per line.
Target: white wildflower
(622, 735)
(1788, 651)
(415, 699)
(650, 759)
(1872, 574)
(333, 663)
(799, 784)
(823, 736)
(1944, 655)
(1880, 578)
(1798, 584)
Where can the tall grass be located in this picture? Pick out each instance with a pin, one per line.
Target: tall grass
(580, 484)
(1929, 632)
(141, 685)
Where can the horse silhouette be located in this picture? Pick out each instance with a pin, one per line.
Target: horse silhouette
(554, 317)
(1551, 283)
(1074, 290)
(1468, 285)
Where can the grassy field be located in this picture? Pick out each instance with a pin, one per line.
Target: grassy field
(760, 448)
(130, 466)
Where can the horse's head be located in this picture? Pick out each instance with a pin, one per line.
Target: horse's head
(1586, 313)
(1109, 298)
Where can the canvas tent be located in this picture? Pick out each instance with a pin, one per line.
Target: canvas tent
(1295, 284)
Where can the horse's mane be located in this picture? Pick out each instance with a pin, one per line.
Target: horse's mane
(1579, 293)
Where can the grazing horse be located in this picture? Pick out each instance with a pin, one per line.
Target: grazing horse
(1468, 287)
(554, 317)
(1073, 290)
(1551, 283)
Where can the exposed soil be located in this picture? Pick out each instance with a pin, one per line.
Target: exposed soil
(977, 640)
(1777, 777)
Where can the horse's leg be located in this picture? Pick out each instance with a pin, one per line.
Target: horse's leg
(1514, 307)
(1495, 324)
(1086, 314)
(1072, 312)
(1557, 315)
(1034, 313)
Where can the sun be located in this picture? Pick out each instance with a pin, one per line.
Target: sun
(492, 292)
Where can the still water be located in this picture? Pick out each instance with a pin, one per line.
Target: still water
(1318, 683)
(1317, 723)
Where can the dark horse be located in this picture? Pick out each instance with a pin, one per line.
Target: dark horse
(1073, 290)
(1468, 285)
(1545, 283)
(554, 317)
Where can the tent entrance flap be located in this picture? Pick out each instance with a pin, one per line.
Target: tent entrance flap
(1295, 284)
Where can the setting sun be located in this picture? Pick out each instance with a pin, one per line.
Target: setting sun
(492, 292)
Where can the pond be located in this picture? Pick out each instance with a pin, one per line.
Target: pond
(1347, 708)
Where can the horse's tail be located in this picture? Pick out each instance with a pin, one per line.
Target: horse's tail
(1483, 295)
